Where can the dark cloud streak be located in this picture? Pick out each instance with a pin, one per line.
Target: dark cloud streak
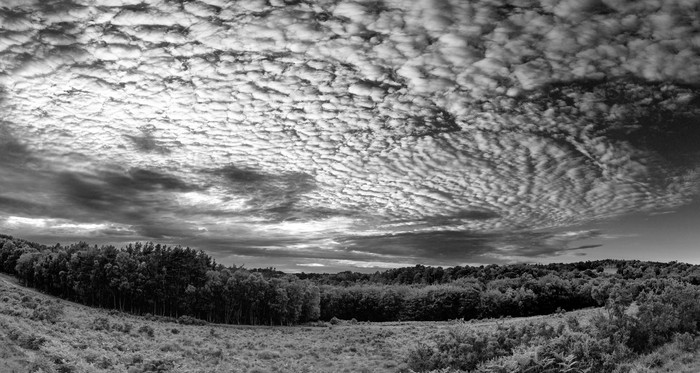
(274, 195)
(147, 143)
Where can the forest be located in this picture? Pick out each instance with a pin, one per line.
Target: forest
(158, 280)
(148, 278)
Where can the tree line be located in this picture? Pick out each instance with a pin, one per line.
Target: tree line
(467, 298)
(427, 275)
(159, 280)
(491, 291)
(146, 278)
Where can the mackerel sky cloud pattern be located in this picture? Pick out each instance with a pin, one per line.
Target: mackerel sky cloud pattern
(342, 133)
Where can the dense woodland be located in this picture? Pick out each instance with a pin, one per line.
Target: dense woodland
(175, 281)
(148, 278)
(427, 293)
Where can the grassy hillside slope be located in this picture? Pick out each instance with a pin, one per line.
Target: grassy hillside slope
(39, 333)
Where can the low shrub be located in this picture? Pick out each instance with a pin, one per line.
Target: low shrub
(420, 359)
(29, 302)
(51, 313)
(686, 342)
(169, 347)
(28, 341)
(189, 320)
(464, 349)
(40, 364)
(66, 368)
(217, 354)
(318, 324)
(136, 359)
(268, 355)
(653, 317)
(158, 366)
(104, 363)
(100, 323)
(124, 328)
(157, 318)
(148, 330)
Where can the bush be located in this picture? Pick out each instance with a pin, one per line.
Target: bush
(28, 341)
(533, 347)
(29, 302)
(100, 323)
(104, 363)
(463, 349)
(148, 330)
(136, 359)
(158, 318)
(66, 368)
(686, 342)
(268, 355)
(124, 328)
(158, 366)
(169, 347)
(420, 359)
(51, 313)
(657, 314)
(189, 320)
(318, 324)
(40, 364)
(335, 321)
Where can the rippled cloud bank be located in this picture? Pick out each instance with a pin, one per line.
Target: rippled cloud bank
(346, 133)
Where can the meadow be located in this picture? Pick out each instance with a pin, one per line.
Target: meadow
(40, 333)
(84, 339)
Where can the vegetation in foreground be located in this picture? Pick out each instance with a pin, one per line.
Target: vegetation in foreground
(651, 322)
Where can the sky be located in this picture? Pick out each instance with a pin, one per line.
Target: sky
(332, 135)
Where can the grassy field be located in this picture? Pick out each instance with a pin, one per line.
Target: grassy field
(39, 333)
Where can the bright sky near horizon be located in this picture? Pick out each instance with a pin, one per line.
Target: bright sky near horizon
(335, 134)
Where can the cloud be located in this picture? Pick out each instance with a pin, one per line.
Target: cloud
(460, 247)
(426, 129)
(18, 206)
(111, 191)
(270, 194)
(146, 142)
(310, 265)
(12, 151)
(136, 198)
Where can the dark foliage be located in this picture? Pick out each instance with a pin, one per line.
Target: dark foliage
(163, 281)
(462, 299)
(26, 340)
(638, 319)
